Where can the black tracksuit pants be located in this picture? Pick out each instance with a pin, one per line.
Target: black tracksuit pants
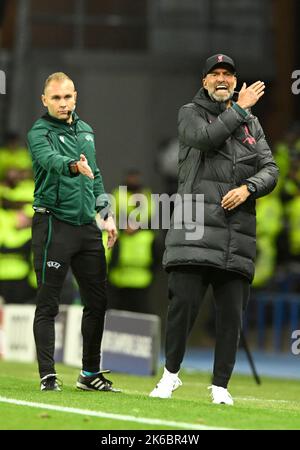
(187, 288)
(56, 246)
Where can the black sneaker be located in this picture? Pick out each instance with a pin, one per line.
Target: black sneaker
(95, 383)
(50, 383)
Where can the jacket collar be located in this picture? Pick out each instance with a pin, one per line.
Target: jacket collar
(55, 121)
(203, 99)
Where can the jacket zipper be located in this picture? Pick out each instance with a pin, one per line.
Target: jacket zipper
(58, 183)
(229, 225)
(57, 193)
(82, 191)
(81, 177)
(233, 169)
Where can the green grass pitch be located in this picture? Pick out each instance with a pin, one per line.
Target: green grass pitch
(275, 404)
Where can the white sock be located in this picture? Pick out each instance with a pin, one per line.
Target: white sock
(167, 373)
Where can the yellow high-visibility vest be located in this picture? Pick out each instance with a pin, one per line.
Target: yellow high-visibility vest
(133, 269)
(13, 265)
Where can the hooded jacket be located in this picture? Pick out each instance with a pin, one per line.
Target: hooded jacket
(220, 149)
(53, 144)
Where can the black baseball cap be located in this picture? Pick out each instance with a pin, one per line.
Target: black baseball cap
(218, 60)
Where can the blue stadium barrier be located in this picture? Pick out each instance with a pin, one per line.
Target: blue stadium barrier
(285, 309)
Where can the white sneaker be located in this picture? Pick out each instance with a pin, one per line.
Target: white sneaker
(220, 395)
(167, 384)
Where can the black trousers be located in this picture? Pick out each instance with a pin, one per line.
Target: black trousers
(187, 288)
(57, 246)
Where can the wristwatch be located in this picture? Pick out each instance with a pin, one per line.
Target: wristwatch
(73, 168)
(251, 187)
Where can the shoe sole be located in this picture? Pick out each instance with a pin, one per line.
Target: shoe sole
(57, 390)
(223, 403)
(84, 387)
(170, 396)
(159, 396)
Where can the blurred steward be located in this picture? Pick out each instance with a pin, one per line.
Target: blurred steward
(132, 261)
(133, 199)
(17, 279)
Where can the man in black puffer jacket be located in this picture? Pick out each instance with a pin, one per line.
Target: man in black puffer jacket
(223, 156)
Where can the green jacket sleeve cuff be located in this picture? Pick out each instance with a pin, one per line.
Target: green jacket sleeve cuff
(243, 112)
(66, 167)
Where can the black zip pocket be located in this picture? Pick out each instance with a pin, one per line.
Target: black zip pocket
(195, 171)
(247, 158)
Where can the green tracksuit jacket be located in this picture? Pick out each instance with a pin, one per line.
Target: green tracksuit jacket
(53, 144)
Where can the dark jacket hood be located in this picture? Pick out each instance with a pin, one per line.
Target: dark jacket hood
(202, 99)
(60, 123)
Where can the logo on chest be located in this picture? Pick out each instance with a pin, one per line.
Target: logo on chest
(53, 264)
(248, 139)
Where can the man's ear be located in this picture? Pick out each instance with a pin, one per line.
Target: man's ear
(43, 98)
(204, 82)
(75, 96)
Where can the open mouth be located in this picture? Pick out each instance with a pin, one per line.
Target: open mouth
(221, 87)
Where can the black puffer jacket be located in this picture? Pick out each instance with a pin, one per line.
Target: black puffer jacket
(219, 150)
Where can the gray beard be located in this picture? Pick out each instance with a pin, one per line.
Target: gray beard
(220, 100)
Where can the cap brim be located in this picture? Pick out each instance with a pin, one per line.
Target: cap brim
(220, 64)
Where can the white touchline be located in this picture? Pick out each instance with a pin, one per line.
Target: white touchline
(104, 415)
(254, 399)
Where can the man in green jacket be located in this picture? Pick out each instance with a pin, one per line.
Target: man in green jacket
(68, 193)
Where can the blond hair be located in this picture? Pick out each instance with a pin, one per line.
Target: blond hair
(57, 76)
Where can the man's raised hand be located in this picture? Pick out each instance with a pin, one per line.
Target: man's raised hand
(249, 96)
(84, 168)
